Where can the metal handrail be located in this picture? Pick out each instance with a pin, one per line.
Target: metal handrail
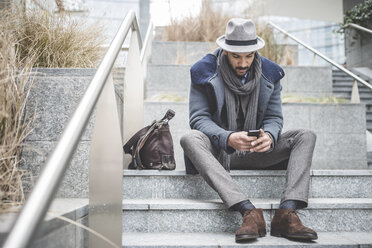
(358, 27)
(335, 64)
(41, 197)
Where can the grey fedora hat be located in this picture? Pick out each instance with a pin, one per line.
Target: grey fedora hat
(240, 37)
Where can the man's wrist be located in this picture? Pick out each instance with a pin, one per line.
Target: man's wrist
(271, 137)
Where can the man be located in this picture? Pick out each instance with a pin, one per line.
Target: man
(235, 90)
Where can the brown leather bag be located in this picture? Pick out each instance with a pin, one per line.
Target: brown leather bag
(152, 146)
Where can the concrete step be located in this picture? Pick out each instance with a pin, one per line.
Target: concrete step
(186, 215)
(334, 149)
(347, 94)
(227, 240)
(365, 97)
(168, 79)
(256, 183)
(337, 88)
(180, 52)
(338, 79)
(299, 80)
(342, 84)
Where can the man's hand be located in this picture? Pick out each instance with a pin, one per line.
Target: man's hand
(241, 141)
(262, 144)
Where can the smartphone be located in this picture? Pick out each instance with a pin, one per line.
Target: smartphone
(254, 133)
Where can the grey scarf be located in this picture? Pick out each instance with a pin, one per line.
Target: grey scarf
(238, 93)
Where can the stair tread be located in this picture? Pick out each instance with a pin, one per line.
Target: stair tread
(325, 239)
(250, 173)
(190, 204)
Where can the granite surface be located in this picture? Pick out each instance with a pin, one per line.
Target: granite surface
(255, 183)
(54, 97)
(307, 81)
(227, 240)
(299, 81)
(75, 181)
(206, 216)
(335, 148)
(179, 52)
(52, 102)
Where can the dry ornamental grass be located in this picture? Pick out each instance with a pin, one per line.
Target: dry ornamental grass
(13, 127)
(58, 41)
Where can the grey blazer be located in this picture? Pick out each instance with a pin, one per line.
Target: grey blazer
(207, 99)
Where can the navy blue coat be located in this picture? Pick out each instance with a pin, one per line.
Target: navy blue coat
(207, 99)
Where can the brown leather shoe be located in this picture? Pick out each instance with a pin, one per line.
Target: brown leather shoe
(286, 223)
(253, 226)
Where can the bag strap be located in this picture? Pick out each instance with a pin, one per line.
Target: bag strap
(128, 147)
(142, 142)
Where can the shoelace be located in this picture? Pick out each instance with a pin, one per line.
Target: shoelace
(296, 212)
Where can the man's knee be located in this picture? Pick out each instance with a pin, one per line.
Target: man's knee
(306, 135)
(192, 138)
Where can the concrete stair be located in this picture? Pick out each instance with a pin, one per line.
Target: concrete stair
(340, 200)
(342, 86)
(172, 209)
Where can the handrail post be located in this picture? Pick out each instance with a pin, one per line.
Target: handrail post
(133, 94)
(355, 93)
(105, 172)
(314, 59)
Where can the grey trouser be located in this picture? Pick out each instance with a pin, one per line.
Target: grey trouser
(296, 146)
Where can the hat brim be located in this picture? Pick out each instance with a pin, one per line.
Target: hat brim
(240, 49)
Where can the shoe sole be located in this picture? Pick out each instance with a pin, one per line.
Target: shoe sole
(246, 237)
(303, 237)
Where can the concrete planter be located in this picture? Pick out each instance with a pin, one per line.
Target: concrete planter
(358, 45)
(53, 98)
(340, 129)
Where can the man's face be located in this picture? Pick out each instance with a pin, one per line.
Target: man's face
(240, 62)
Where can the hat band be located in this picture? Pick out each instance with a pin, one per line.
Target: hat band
(241, 42)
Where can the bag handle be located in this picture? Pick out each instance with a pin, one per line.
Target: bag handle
(168, 116)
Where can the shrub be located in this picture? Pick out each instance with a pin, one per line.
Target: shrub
(360, 14)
